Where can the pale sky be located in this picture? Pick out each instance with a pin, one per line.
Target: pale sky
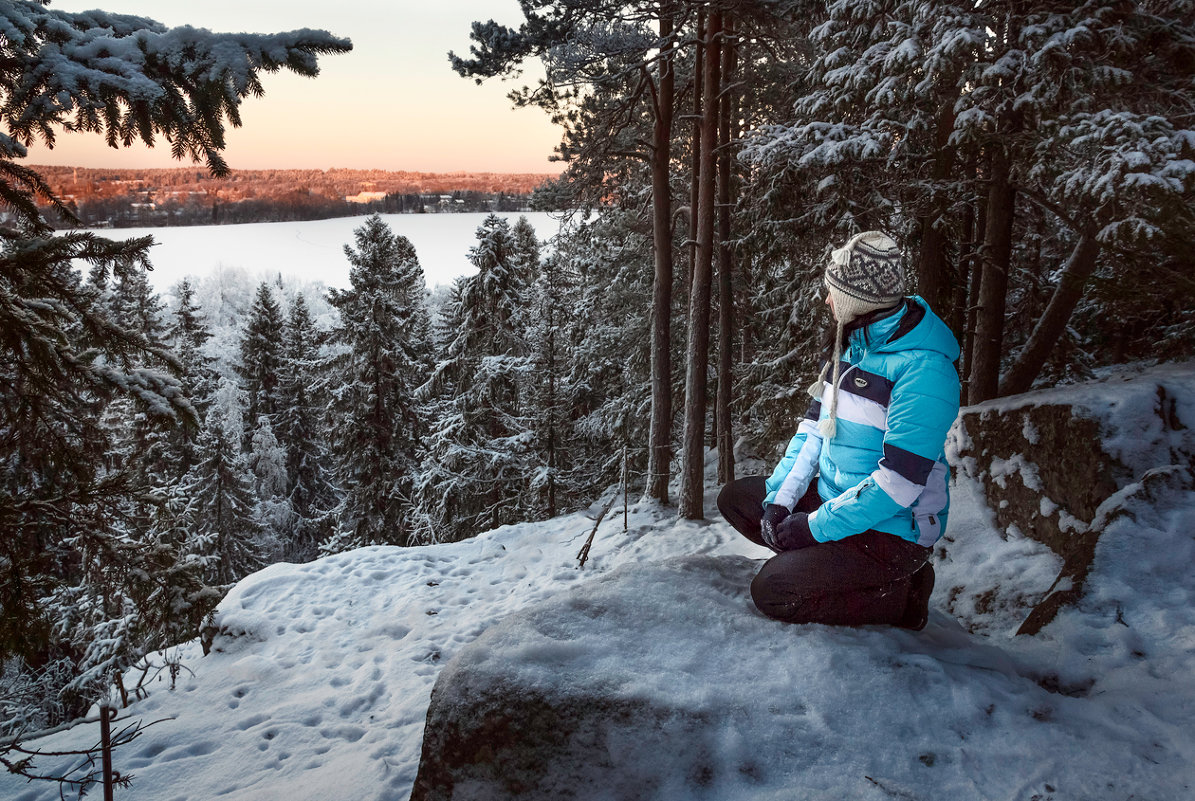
(393, 103)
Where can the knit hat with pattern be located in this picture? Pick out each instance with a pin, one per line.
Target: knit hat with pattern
(864, 275)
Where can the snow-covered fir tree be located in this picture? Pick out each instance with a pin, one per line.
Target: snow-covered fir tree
(267, 461)
(72, 491)
(474, 475)
(382, 359)
(608, 383)
(187, 334)
(222, 503)
(134, 306)
(309, 490)
(527, 248)
(142, 439)
(261, 356)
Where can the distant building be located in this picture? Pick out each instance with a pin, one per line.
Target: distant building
(366, 197)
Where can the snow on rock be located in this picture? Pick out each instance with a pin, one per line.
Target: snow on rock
(659, 681)
(1054, 465)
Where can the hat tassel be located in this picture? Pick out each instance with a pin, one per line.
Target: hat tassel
(829, 424)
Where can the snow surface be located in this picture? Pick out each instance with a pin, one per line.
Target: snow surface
(314, 250)
(320, 682)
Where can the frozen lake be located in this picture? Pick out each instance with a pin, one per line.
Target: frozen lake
(314, 250)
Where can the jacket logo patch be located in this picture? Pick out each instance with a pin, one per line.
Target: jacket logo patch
(860, 382)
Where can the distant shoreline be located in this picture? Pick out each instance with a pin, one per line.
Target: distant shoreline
(186, 196)
(235, 174)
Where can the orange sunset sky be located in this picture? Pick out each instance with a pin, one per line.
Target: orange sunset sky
(394, 103)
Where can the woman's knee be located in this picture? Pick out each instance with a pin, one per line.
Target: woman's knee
(801, 587)
(776, 595)
(725, 496)
(741, 504)
(742, 492)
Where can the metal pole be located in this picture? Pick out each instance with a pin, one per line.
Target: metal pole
(625, 487)
(107, 713)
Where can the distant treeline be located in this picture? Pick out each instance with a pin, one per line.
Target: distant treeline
(161, 197)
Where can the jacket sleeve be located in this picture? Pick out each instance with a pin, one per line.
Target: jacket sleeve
(791, 478)
(923, 406)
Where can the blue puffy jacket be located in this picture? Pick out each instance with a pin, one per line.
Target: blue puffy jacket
(885, 469)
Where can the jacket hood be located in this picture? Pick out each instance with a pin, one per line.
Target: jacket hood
(915, 327)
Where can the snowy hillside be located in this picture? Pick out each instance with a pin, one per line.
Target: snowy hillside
(318, 685)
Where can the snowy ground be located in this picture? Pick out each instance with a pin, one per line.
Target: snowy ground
(323, 692)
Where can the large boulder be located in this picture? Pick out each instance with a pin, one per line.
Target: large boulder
(1058, 466)
(661, 681)
(573, 699)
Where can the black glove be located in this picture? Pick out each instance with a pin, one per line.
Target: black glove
(773, 515)
(793, 533)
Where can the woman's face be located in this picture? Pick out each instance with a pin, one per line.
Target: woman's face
(830, 303)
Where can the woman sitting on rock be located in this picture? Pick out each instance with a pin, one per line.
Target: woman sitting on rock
(860, 497)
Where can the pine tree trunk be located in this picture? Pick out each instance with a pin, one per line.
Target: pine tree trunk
(993, 289)
(659, 456)
(551, 408)
(724, 438)
(933, 272)
(981, 227)
(966, 252)
(997, 241)
(1049, 328)
(695, 183)
(712, 392)
(692, 469)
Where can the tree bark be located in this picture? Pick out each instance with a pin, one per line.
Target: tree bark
(724, 437)
(933, 272)
(1049, 328)
(659, 457)
(993, 290)
(962, 277)
(997, 241)
(551, 510)
(692, 471)
(695, 182)
(981, 227)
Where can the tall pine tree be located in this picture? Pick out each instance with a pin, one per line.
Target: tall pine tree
(222, 509)
(475, 470)
(309, 487)
(261, 357)
(187, 335)
(381, 335)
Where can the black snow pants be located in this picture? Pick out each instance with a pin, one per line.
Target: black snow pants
(870, 578)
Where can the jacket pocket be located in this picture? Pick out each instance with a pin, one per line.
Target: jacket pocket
(850, 497)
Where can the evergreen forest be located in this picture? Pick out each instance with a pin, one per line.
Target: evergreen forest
(1035, 159)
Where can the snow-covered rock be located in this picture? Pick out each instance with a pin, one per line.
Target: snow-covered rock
(1057, 466)
(660, 681)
